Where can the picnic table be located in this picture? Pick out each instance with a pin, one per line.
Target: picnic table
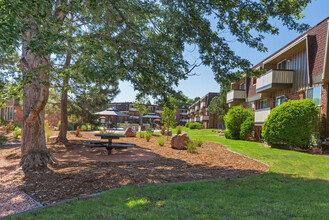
(109, 145)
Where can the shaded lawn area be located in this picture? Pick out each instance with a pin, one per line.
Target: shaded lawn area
(297, 186)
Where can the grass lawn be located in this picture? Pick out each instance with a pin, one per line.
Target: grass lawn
(297, 186)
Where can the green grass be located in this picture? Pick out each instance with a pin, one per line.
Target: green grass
(297, 186)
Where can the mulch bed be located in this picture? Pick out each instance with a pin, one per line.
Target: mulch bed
(65, 180)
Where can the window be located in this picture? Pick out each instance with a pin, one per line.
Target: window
(252, 106)
(263, 104)
(279, 100)
(150, 108)
(283, 65)
(243, 86)
(254, 80)
(315, 94)
(10, 114)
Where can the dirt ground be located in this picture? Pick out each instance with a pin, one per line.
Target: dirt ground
(147, 163)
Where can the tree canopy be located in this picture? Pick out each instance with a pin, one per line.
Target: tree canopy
(140, 41)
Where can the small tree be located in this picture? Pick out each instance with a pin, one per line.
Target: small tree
(235, 117)
(169, 115)
(291, 124)
(142, 110)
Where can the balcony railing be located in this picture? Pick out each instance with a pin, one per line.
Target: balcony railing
(275, 80)
(184, 120)
(261, 115)
(132, 109)
(159, 111)
(196, 108)
(204, 118)
(183, 113)
(202, 105)
(196, 119)
(236, 96)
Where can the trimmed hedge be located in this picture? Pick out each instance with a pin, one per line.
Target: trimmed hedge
(234, 119)
(291, 124)
(195, 125)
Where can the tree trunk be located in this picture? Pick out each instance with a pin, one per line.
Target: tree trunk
(36, 91)
(62, 136)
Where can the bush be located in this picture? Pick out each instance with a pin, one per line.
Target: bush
(187, 124)
(161, 141)
(3, 139)
(84, 128)
(179, 129)
(228, 135)
(18, 125)
(163, 130)
(291, 124)
(191, 147)
(195, 125)
(246, 128)
(148, 136)
(235, 118)
(9, 127)
(141, 134)
(17, 134)
(17, 128)
(198, 143)
(69, 126)
(149, 130)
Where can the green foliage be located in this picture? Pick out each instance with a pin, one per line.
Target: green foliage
(228, 135)
(191, 147)
(17, 128)
(218, 104)
(148, 136)
(291, 124)
(16, 134)
(178, 99)
(9, 127)
(163, 130)
(69, 126)
(141, 134)
(149, 130)
(196, 125)
(84, 128)
(3, 139)
(169, 115)
(187, 124)
(18, 125)
(198, 143)
(179, 129)
(48, 130)
(161, 141)
(235, 118)
(247, 128)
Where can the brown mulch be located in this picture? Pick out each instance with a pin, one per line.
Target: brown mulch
(11, 199)
(65, 180)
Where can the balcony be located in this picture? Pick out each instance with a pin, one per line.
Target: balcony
(196, 119)
(203, 105)
(183, 113)
(191, 110)
(204, 118)
(236, 96)
(159, 111)
(132, 109)
(196, 108)
(261, 115)
(275, 80)
(184, 120)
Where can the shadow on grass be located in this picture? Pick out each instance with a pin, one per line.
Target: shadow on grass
(271, 195)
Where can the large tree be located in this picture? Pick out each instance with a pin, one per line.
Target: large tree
(143, 41)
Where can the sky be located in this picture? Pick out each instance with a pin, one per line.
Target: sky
(203, 82)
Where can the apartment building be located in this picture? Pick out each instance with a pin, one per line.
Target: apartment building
(128, 108)
(12, 111)
(299, 70)
(198, 112)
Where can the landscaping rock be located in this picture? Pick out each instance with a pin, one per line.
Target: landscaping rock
(179, 141)
(129, 132)
(167, 133)
(52, 139)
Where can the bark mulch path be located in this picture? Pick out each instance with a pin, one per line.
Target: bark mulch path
(65, 180)
(11, 199)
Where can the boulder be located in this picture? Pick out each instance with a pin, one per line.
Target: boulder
(52, 139)
(167, 133)
(129, 132)
(179, 141)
